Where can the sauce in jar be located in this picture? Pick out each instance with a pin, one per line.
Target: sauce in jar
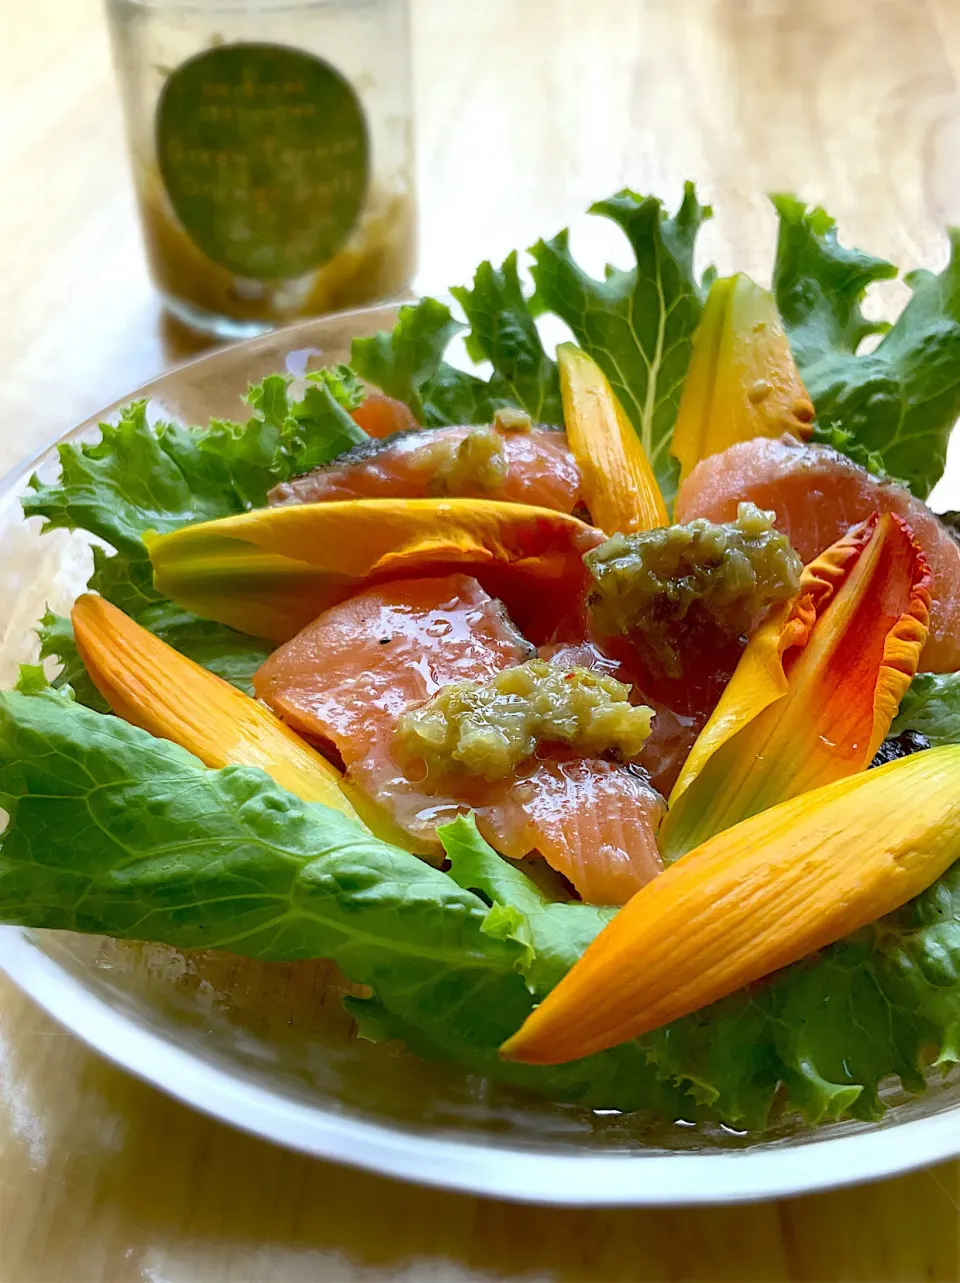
(272, 154)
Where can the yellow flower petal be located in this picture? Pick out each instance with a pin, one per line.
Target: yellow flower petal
(272, 571)
(743, 381)
(619, 487)
(756, 898)
(816, 688)
(153, 686)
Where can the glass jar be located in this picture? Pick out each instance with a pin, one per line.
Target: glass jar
(272, 154)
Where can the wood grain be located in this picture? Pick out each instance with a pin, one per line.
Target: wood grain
(527, 111)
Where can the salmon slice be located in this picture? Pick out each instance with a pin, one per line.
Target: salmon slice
(595, 822)
(817, 494)
(381, 416)
(347, 677)
(345, 680)
(540, 470)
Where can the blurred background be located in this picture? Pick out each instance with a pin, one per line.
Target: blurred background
(524, 112)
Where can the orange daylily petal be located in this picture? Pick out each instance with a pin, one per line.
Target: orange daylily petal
(816, 688)
(153, 686)
(756, 898)
(273, 571)
(743, 381)
(618, 484)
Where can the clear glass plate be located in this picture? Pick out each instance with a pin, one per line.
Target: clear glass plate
(270, 1049)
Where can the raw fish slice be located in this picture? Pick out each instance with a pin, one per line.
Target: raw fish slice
(345, 680)
(817, 494)
(347, 677)
(540, 470)
(593, 821)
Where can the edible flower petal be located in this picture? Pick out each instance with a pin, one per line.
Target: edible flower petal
(751, 900)
(272, 571)
(153, 686)
(619, 487)
(743, 381)
(816, 688)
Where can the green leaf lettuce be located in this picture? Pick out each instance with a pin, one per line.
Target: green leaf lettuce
(637, 323)
(932, 707)
(146, 476)
(900, 401)
(112, 831)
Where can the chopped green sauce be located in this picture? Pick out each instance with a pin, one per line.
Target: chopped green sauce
(477, 462)
(510, 418)
(669, 587)
(489, 728)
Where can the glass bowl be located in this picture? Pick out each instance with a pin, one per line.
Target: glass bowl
(270, 1049)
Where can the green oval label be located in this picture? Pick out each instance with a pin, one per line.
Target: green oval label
(264, 153)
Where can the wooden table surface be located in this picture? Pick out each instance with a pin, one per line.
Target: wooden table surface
(527, 111)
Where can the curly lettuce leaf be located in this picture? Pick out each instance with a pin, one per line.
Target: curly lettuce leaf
(141, 476)
(315, 428)
(932, 707)
(820, 284)
(158, 476)
(898, 403)
(503, 331)
(57, 641)
(638, 325)
(846, 443)
(341, 382)
(408, 363)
